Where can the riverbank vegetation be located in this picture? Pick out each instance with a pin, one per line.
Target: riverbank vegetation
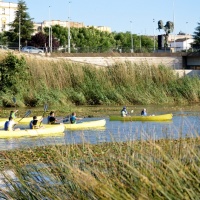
(163, 169)
(37, 80)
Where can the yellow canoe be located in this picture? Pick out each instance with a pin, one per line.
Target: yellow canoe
(164, 117)
(46, 131)
(25, 120)
(86, 125)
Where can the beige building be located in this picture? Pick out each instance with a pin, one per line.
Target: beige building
(40, 26)
(7, 14)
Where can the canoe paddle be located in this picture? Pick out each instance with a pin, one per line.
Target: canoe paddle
(45, 110)
(26, 115)
(15, 101)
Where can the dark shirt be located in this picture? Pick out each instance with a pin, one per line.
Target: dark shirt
(33, 124)
(52, 120)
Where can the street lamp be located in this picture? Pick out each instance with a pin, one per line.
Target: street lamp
(186, 36)
(174, 29)
(131, 38)
(154, 35)
(50, 33)
(19, 32)
(69, 50)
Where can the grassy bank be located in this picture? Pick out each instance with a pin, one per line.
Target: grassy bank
(162, 169)
(58, 82)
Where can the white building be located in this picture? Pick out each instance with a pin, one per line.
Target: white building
(7, 14)
(182, 44)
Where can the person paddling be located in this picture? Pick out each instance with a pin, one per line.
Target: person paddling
(34, 123)
(73, 118)
(52, 119)
(9, 125)
(124, 112)
(144, 112)
(13, 113)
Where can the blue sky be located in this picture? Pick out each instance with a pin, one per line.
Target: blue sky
(118, 14)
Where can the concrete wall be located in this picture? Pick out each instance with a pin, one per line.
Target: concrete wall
(187, 72)
(173, 62)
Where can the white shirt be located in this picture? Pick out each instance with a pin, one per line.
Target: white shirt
(11, 123)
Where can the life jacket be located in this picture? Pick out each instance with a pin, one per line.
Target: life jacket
(52, 120)
(48, 122)
(33, 124)
(73, 120)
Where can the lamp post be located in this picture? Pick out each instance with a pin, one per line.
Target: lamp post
(49, 30)
(69, 37)
(174, 28)
(19, 32)
(186, 36)
(131, 38)
(140, 41)
(154, 44)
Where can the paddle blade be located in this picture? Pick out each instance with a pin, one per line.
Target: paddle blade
(27, 113)
(14, 100)
(45, 107)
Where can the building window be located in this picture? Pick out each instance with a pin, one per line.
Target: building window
(3, 11)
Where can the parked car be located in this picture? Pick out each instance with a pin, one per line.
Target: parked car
(4, 47)
(30, 49)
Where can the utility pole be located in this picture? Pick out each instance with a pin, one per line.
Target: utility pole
(19, 32)
(49, 31)
(131, 38)
(154, 44)
(69, 37)
(186, 36)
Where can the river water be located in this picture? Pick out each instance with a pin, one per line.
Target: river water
(185, 123)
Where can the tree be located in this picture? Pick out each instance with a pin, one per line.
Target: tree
(24, 22)
(3, 38)
(196, 36)
(38, 40)
(14, 73)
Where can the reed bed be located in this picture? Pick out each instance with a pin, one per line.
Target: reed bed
(145, 169)
(62, 82)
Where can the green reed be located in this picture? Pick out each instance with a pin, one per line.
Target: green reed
(163, 169)
(62, 82)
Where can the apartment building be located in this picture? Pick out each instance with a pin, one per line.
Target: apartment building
(7, 14)
(40, 26)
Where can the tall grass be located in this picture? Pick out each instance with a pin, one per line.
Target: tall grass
(164, 169)
(64, 82)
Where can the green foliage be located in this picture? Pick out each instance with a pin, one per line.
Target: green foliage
(3, 39)
(24, 22)
(197, 37)
(13, 74)
(93, 40)
(145, 169)
(63, 83)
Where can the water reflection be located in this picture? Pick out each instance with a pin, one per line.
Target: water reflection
(184, 124)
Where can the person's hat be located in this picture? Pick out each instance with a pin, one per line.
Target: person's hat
(124, 107)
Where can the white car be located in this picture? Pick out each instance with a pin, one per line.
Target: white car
(30, 49)
(4, 47)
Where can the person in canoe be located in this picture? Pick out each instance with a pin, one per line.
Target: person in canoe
(124, 112)
(13, 113)
(144, 112)
(34, 124)
(52, 119)
(73, 118)
(9, 125)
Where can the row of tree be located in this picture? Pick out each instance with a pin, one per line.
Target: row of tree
(82, 39)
